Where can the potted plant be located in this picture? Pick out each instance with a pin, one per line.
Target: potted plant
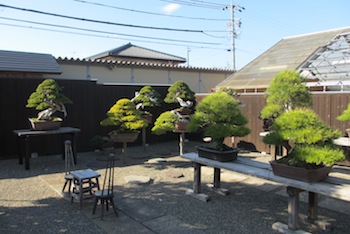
(219, 115)
(179, 92)
(144, 99)
(126, 118)
(47, 99)
(311, 152)
(345, 116)
(102, 143)
(166, 122)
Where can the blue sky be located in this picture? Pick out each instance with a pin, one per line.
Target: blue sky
(263, 24)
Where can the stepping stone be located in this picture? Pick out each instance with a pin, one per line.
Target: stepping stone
(156, 160)
(134, 179)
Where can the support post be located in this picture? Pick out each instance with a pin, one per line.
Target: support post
(197, 178)
(312, 210)
(293, 207)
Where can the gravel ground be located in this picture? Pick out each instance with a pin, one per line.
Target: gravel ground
(31, 200)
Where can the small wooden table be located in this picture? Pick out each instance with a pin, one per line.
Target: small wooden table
(83, 183)
(24, 135)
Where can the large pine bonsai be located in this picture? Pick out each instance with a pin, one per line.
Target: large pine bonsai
(48, 99)
(219, 115)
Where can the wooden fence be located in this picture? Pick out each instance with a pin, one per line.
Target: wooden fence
(91, 102)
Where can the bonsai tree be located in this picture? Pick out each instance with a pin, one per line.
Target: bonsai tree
(179, 92)
(148, 96)
(218, 114)
(307, 138)
(165, 123)
(286, 92)
(48, 99)
(125, 117)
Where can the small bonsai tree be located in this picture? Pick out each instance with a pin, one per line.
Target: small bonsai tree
(165, 123)
(147, 97)
(179, 92)
(48, 99)
(218, 114)
(307, 138)
(286, 92)
(125, 117)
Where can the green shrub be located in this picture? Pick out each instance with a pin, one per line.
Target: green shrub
(125, 117)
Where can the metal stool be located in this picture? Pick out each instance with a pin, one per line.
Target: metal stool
(69, 165)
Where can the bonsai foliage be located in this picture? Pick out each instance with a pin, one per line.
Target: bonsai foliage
(165, 123)
(345, 114)
(286, 92)
(48, 99)
(307, 138)
(218, 114)
(124, 115)
(179, 89)
(148, 96)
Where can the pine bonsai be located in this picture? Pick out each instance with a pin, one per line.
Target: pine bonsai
(125, 117)
(218, 114)
(286, 92)
(307, 138)
(345, 115)
(48, 99)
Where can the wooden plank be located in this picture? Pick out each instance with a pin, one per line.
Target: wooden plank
(264, 171)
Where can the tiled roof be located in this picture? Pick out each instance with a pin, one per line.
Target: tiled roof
(117, 63)
(132, 52)
(289, 53)
(13, 61)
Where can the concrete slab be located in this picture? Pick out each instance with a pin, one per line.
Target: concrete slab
(135, 179)
(121, 224)
(169, 224)
(138, 209)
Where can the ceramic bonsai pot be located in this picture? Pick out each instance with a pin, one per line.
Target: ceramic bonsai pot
(124, 137)
(298, 173)
(221, 156)
(43, 125)
(181, 126)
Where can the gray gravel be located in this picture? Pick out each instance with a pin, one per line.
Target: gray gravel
(31, 200)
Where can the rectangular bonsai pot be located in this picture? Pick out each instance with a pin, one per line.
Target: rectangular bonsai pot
(221, 156)
(298, 173)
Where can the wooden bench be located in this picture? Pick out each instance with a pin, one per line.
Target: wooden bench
(335, 187)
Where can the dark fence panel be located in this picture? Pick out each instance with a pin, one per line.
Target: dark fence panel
(92, 101)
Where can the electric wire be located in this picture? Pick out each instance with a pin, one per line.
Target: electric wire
(99, 31)
(146, 12)
(105, 22)
(110, 37)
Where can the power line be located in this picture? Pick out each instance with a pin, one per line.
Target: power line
(194, 4)
(146, 12)
(103, 22)
(99, 31)
(109, 37)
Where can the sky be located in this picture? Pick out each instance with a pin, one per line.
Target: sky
(197, 30)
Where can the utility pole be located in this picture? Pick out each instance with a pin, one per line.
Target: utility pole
(232, 24)
(188, 56)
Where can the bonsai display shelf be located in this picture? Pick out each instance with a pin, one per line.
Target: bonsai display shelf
(336, 187)
(24, 135)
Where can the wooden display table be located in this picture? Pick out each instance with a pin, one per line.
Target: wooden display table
(24, 135)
